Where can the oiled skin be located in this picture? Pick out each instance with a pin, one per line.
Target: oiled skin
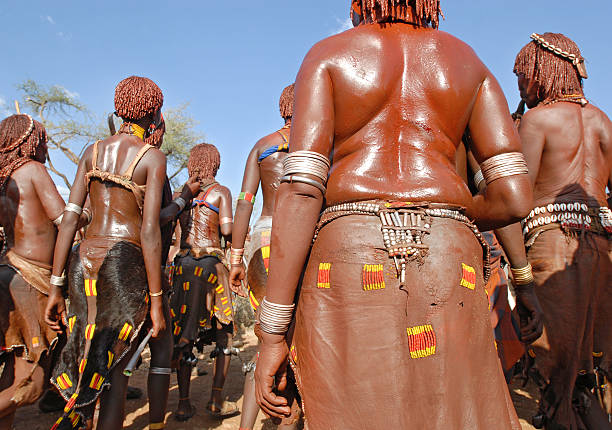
(116, 214)
(27, 211)
(268, 174)
(568, 148)
(392, 102)
(569, 163)
(203, 230)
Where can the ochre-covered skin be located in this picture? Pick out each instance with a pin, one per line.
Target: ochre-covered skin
(509, 242)
(200, 227)
(27, 211)
(202, 297)
(118, 223)
(266, 172)
(569, 153)
(392, 102)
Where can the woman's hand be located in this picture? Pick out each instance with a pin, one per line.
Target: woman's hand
(55, 312)
(194, 186)
(237, 275)
(157, 315)
(530, 313)
(271, 375)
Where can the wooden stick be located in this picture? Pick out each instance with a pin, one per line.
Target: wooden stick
(17, 107)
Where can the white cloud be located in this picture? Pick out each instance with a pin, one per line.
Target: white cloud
(343, 25)
(50, 19)
(71, 94)
(64, 36)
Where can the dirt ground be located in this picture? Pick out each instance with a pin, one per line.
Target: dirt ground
(31, 418)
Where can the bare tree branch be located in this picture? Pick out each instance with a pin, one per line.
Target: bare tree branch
(71, 127)
(57, 172)
(179, 170)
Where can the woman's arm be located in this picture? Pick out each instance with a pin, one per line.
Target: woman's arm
(295, 216)
(55, 313)
(176, 206)
(150, 233)
(244, 209)
(509, 198)
(226, 220)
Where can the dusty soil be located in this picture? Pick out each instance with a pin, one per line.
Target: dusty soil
(31, 418)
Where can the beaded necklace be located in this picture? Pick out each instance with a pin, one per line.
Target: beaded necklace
(133, 129)
(570, 98)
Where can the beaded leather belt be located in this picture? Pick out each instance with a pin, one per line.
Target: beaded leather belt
(569, 216)
(404, 225)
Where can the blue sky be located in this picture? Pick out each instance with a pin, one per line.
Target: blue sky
(231, 59)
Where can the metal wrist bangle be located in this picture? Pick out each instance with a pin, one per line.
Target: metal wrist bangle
(479, 180)
(522, 276)
(57, 281)
(180, 202)
(236, 256)
(87, 213)
(275, 318)
(159, 293)
(71, 207)
(294, 178)
(57, 221)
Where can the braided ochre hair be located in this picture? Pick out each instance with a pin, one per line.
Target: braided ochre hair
(20, 137)
(427, 12)
(556, 76)
(204, 161)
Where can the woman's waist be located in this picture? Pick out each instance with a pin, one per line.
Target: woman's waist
(103, 240)
(404, 230)
(345, 191)
(115, 223)
(200, 243)
(39, 250)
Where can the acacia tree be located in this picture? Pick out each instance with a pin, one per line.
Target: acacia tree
(71, 127)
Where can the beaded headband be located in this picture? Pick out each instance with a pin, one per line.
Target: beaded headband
(577, 61)
(23, 137)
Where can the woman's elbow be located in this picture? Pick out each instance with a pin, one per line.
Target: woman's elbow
(519, 200)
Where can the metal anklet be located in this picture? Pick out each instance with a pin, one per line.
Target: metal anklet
(160, 370)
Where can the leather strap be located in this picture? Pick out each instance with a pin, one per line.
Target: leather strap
(130, 170)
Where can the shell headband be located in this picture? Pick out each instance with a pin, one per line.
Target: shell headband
(577, 61)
